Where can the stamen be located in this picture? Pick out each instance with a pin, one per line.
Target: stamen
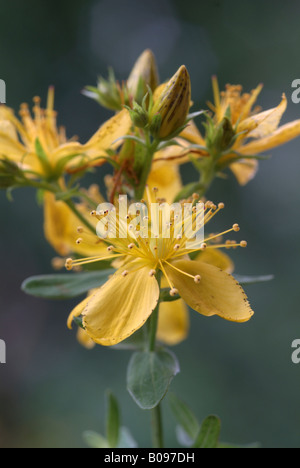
(174, 292)
(197, 279)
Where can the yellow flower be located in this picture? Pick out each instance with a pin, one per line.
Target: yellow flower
(128, 298)
(38, 145)
(257, 131)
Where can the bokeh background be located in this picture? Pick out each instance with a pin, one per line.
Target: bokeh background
(51, 390)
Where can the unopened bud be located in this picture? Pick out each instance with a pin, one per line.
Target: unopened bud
(138, 116)
(172, 105)
(143, 74)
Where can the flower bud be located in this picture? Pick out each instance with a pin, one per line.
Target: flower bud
(172, 105)
(138, 116)
(143, 74)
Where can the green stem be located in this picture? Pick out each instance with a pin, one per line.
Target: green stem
(157, 430)
(151, 150)
(156, 418)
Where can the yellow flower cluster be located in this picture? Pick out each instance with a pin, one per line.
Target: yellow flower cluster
(147, 140)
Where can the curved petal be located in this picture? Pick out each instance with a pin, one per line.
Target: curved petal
(218, 293)
(10, 147)
(116, 127)
(263, 124)
(121, 306)
(282, 135)
(173, 323)
(60, 227)
(245, 170)
(217, 258)
(166, 177)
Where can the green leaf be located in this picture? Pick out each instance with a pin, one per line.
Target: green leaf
(242, 279)
(42, 156)
(208, 436)
(184, 417)
(149, 376)
(113, 421)
(95, 440)
(64, 286)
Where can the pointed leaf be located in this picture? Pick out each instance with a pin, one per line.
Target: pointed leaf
(64, 286)
(184, 417)
(208, 436)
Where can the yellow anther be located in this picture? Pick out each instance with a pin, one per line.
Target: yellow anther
(125, 273)
(80, 230)
(243, 244)
(197, 279)
(236, 227)
(152, 273)
(173, 292)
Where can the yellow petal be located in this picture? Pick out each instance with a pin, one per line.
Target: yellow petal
(60, 228)
(192, 134)
(173, 323)
(166, 177)
(116, 127)
(121, 306)
(263, 124)
(282, 135)
(245, 170)
(10, 147)
(84, 339)
(218, 293)
(217, 258)
(250, 103)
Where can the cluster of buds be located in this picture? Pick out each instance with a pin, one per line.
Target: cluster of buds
(113, 95)
(161, 109)
(164, 113)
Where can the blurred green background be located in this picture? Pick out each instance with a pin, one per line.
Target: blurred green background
(51, 389)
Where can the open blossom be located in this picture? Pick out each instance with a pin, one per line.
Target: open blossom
(125, 302)
(257, 131)
(38, 145)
